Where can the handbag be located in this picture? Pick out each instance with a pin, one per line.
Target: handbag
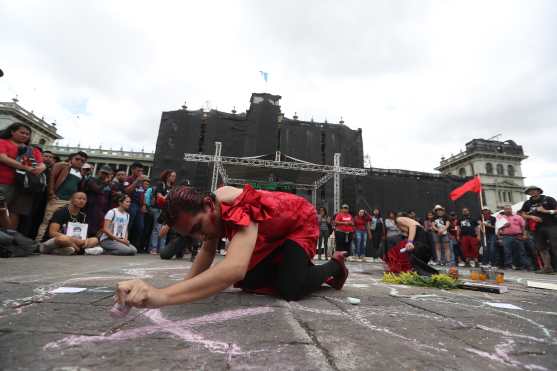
(26, 181)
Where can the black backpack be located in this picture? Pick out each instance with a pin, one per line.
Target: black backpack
(14, 244)
(26, 181)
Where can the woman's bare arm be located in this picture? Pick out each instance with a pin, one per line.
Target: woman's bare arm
(213, 280)
(204, 258)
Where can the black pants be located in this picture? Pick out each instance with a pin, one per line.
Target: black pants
(343, 241)
(546, 244)
(178, 246)
(294, 277)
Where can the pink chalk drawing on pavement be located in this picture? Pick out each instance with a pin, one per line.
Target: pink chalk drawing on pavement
(182, 330)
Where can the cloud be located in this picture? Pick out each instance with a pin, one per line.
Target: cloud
(420, 78)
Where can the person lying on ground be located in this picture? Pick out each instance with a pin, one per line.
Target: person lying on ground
(273, 238)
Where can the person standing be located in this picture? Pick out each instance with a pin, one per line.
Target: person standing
(325, 228)
(378, 234)
(469, 238)
(457, 257)
(362, 233)
(14, 144)
(118, 186)
(153, 199)
(441, 237)
(135, 189)
(114, 239)
(344, 229)
(541, 213)
(64, 180)
(98, 199)
(513, 234)
(489, 256)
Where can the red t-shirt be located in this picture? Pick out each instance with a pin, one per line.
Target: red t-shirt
(360, 222)
(344, 217)
(7, 173)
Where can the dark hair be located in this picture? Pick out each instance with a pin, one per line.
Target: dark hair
(78, 153)
(48, 152)
(324, 209)
(401, 214)
(121, 198)
(7, 133)
(391, 212)
(165, 174)
(184, 199)
(136, 165)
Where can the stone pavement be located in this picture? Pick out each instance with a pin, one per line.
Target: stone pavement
(394, 327)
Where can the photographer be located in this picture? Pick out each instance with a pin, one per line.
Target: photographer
(541, 215)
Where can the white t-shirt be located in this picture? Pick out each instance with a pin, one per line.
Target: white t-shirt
(118, 223)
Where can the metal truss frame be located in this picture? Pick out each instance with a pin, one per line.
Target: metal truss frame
(331, 172)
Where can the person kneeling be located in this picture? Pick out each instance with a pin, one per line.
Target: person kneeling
(67, 230)
(114, 239)
(273, 239)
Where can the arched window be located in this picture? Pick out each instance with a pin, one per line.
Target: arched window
(510, 170)
(489, 168)
(500, 169)
(462, 171)
(42, 141)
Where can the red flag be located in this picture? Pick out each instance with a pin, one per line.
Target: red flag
(473, 185)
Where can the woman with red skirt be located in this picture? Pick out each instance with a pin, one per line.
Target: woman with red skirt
(273, 237)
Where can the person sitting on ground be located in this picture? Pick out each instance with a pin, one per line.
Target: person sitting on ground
(273, 238)
(414, 252)
(58, 241)
(114, 239)
(178, 245)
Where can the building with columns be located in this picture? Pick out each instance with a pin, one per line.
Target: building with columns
(499, 166)
(45, 135)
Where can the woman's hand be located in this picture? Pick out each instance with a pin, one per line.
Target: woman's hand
(409, 246)
(139, 294)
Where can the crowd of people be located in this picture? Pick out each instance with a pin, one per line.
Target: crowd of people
(70, 211)
(526, 239)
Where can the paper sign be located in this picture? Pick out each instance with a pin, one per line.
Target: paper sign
(68, 290)
(503, 306)
(77, 230)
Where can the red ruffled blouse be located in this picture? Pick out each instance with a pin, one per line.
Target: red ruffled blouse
(280, 216)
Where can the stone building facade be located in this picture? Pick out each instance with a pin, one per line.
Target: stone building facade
(45, 135)
(499, 166)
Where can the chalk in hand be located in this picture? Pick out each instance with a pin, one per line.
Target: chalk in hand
(119, 310)
(403, 250)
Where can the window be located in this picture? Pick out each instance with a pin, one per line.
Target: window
(462, 171)
(500, 170)
(510, 170)
(511, 197)
(489, 168)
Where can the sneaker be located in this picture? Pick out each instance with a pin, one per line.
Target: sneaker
(338, 282)
(97, 250)
(461, 264)
(472, 264)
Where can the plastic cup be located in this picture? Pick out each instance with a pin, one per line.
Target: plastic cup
(500, 277)
(474, 275)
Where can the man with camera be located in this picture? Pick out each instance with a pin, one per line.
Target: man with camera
(541, 215)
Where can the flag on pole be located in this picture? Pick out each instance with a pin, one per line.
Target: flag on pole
(265, 75)
(473, 185)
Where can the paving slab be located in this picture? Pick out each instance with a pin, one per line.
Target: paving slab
(393, 327)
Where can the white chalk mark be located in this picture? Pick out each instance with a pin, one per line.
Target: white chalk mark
(502, 355)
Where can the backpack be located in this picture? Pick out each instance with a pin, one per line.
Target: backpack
(26, 181)
(14, 244)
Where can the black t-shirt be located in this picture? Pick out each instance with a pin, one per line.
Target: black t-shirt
(489, 222)
(63, 216)
(467, 227)
(440, 222)
(547, 203)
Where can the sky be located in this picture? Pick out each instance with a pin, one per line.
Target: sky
(421, 78)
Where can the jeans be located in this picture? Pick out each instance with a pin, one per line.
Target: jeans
(361, 239)
(156, 242)
(512, 244)
(136, 225)
(323, 242)
(112, 247)
(489, 255)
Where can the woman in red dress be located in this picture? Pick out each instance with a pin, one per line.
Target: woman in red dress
(273, 237)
